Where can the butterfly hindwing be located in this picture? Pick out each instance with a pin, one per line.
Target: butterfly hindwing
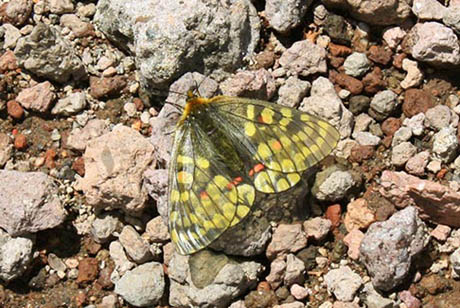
(205, 200)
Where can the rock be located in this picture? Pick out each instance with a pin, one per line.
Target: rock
(8, 62)
(56, 263)
(403, 134)
(209, 279)
(380, 54)
(414, 75)
(355, 86)
(428, 9)
(12, 35)
(45, 53)
(416, 101)
(325, 103)
(373, 82)
(16, 12)
(455, 261)
(359, 104)
(358, 215)
(304, 58)
(362, 122)
(79, 137)
(438, 117)
(451, 19)
(37, 98)
(156, 182)
(104, 226)
(118, 255)
(332, 184)
(393, 36)
(88, 269)
(157, 230)
(14, 110)
(299, 292)
(373, 299)
(15, 256)
(353, 241)
(277, 272)
(141, 28)
(402, 152)
(435, 44)
(445, 144)
(6, 149)
(375, 13)
(317, 228)
(20, 142)
(416, 165)
(283, 16)
(60, 6)
(295, 270)
(286, 239)
(415, 123)
(338, 29)
(383, 104)
(143, 286)
(71, 104)
(343, 283)
(29, 202)
(441, 232)
(136, 247)
(76, 25)
(114, 167)
(388, 248)
(106, 87)
(86, 10)
(408, 299)
(293, 91)
(356, 64)
(366, 139)
(255, 84)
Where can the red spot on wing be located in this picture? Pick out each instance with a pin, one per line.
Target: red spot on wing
(257, 168)
(204, 195)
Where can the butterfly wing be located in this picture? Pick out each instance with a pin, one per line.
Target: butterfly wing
(205, 199)
(282, 141)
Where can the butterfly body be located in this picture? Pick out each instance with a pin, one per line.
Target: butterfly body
(228, 148)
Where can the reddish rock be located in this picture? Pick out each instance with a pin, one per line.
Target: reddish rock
(410, 300)
(373, 82)
(333, 213)
(358, 215)
(352, 84)
(104, 278)
(378, 203)
(265, 59)
(91, 246)
(263, 285)
(50, 157)
(336, 62)
(353, 241)
(37, 98)
(339, 50)
(397, 60)
(380, 54)
(16, 12)
(359, 153)
(416, 101)
(391, 125)
(80, 299)
(20, 142)
(8, 62)
(441, 232)
(15, 110)
(286, 239)
(79, 166)
(436, 202)
(88, 270)
(106, 87)
(138, 103)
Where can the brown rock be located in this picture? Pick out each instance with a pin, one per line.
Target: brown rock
(433, 284)
(378, 203)
(15, 110)
(397, 60)
(50, 157)
(20, 142)
(37, 98)
(373, 81)
(380, 54)
(390, 126)
(16, 12)
(265, 59)
(106, 87)
(138, 103)
(339, 50)
(352, 84)
(333, 213)
(8, 62)
(79, 166)
(360, 153)
(416, 101)
(88, 269)
(104, 277)
(336, 62)
(286, 239)
(358, 215)
(436, 202)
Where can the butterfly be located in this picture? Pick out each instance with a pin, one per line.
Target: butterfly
(228, 148)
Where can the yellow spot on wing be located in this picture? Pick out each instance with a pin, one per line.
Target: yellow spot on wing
(181, 159)
(184, 196)
(267, 116)
(174, 196)
(184, 177)
(264, 151)
(250, 112)
(286, 112)
(203, 163)
(249, 129)
(282, 185)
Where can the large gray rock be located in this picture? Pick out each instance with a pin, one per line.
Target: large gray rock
(172, 37)
(15, 256)
(114, 167)
(209, 280)
(29, 202)
(45, 53)
(388, 247)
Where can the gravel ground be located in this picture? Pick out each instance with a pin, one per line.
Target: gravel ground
(86, 130)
